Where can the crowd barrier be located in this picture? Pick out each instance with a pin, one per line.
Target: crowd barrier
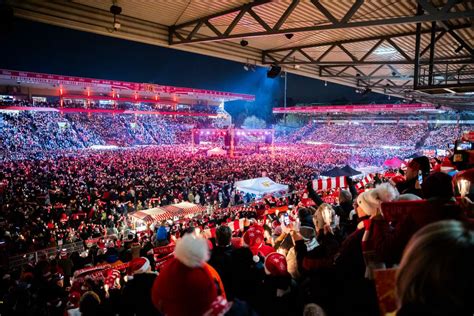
(19, 260)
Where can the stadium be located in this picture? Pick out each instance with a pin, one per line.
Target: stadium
(300, 157)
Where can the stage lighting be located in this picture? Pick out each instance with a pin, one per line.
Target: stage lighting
(274, 71)
(243, 43)
(367, 90)
(325, 83)
(116, 10)
(289, 35)
(246, 67)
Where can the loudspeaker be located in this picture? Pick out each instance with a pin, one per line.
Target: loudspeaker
(268, 139)
(274, 71)
(227, 139)
(197, 138)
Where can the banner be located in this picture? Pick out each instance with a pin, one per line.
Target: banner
(367, 179)
(329, 183)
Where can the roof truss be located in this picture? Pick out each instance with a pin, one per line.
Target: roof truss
(179, 34)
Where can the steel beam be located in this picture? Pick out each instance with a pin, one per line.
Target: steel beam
(352, 11)
(333, 23)
(458, 60)
(286, 14)
(419, 11)
(369, 38)
(446, 86)
(445, 23)
(432, 52)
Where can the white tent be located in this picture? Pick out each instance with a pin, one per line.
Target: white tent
(216, 152)
(260, 186)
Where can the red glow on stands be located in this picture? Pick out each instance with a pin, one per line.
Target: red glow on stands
(136, 96)
(355, 108)
(61, 90)
(106, 111)
(118, 99)
(88, 92)
(33, 78)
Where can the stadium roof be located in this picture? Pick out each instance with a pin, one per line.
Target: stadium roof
(77, 87)
(417, 49)
(401, 108)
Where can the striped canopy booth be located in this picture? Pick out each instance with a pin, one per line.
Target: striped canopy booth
(158, 214)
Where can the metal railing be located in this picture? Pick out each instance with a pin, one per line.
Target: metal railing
(19, 260)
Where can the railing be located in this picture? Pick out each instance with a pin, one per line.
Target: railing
(19, 260)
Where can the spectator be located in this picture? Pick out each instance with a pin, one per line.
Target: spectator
(435, 275)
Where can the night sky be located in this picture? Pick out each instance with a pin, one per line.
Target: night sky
(32, 46)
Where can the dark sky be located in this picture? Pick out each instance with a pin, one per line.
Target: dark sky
(38, 47)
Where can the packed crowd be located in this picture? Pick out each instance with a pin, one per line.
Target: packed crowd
(369, 134)
(406, 136)
(312, 256)
(316, 260)
(439, 135)
(29, 132)
(141, 106)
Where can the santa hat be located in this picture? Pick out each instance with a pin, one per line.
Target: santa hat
(275, 264)
(254, 236)
(63, 253)
(187, 285)
(398, 179)
(138, 265)
(73, 299)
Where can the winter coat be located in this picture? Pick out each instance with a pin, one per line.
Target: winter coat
(408, 186)
(389, 240)
(136, 296)
(221, 261)
(277, 296)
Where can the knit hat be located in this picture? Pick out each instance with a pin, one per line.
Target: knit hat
(370, 201)
(275, 264)
(187, 285)
(138, 265)
(408, 197)
(345, 196)
(161, 234)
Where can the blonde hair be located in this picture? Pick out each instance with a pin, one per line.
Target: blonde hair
(318, 217)
(437, 267)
